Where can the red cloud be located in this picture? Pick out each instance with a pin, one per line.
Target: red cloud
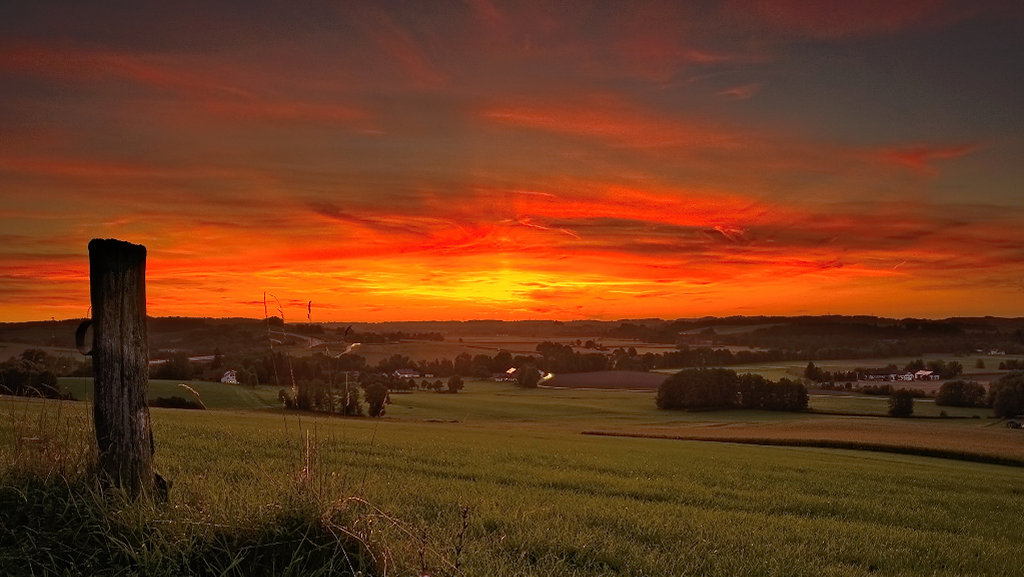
(920, 157)
(206, 85)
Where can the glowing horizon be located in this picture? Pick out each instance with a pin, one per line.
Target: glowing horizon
(517, 161)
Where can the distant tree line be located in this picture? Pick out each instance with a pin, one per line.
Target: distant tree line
(1005, 396)
(829, 337)
(392, 337)
(717, 388)
(945, 370)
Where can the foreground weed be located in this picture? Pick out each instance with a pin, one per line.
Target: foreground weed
(55, 519)
(48, 440)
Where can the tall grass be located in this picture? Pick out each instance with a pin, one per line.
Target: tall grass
(48, 440)
(511, 488)
(56, 520)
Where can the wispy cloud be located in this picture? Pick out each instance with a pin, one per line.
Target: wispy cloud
(742, 91)
(921, 157)
(221, 89)
(612, 121)
(516, 159)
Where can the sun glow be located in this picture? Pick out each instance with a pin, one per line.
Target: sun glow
(653, 162)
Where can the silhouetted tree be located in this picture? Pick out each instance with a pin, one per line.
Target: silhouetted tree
(1007, 395)
(30, 374)
(699, 389)
(528, 376)
(502, 362)
(376, 398)
(901, 403)
(348, 401)
(961, 394)
(812, 372)
(455, 384)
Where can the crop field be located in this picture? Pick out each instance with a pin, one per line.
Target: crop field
(419, 350)
(9, 350)
(633, 380)
(843, 403)
(795, 369)
(499, 481)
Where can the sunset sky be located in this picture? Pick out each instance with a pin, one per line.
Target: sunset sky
(513, 160)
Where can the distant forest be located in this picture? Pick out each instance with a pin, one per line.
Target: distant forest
(272, 352)
(810, 337)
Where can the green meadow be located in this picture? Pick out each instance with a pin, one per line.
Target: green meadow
(213, 395)
(497, 481)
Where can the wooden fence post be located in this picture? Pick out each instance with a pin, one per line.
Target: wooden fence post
(120, 352)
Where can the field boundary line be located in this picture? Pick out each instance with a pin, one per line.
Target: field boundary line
(828, 444)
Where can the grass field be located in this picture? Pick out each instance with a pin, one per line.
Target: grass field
(506, 473)
(214, 395)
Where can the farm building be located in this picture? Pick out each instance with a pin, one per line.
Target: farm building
(230, 377)
(888, 375)
(924, 375)
(407, 374)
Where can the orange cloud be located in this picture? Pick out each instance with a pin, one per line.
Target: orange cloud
(509, 159)
(612, 121)
(616, 267)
